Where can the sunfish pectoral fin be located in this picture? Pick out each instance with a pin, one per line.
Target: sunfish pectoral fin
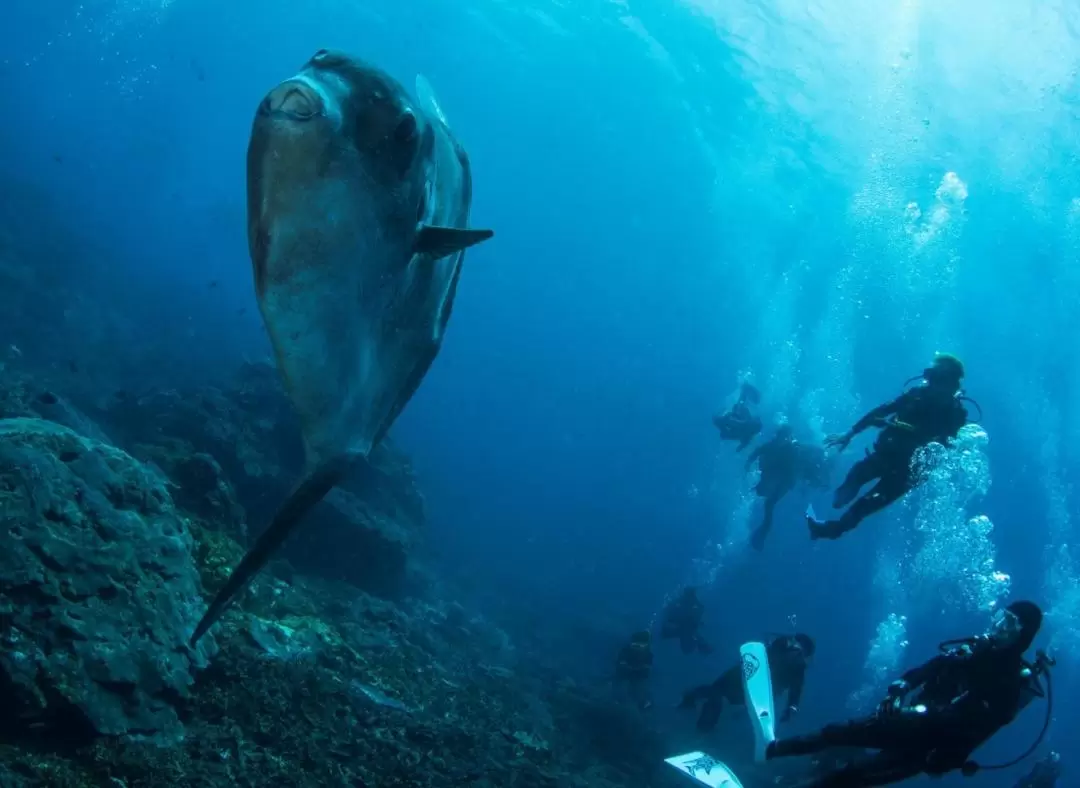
(445, 241)
(311, 489)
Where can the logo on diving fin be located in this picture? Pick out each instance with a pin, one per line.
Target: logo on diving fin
(705, 763)
(750, 666)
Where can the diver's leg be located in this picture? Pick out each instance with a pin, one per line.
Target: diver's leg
(889, 489)
(693, 696)
(757, 540)
(862, 473)
(885, 768)
(710, 712)
(872, 733)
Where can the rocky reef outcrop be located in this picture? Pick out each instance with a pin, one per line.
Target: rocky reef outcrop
(316, 682)
(234, 452)
(98, 590)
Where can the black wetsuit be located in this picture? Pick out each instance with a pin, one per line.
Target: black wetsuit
(787, 666)
(740, 424)
(682, 620)
(779, 461)
(632, 669)
(916, 418)
(965, 697)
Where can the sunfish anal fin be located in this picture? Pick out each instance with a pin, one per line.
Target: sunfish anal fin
(312, 489)
(445, 241)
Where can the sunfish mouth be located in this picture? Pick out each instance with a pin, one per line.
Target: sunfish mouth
(292, 100)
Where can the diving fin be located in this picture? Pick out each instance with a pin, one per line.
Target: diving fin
(757, 684)
(705, 769)
(304, 496)
(445, 241)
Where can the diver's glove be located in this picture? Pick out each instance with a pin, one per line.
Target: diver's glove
(839, 442)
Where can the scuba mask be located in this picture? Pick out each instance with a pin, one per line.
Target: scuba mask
(935, 377)
(1005, 628)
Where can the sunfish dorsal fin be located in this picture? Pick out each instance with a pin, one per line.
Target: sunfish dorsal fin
(426, 96)
(311, 489)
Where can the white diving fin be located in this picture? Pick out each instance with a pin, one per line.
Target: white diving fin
(757, 682)
(705, 769)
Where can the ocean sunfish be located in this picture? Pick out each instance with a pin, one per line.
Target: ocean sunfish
(358, 200)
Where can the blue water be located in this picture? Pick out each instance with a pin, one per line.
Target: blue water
(815, 195)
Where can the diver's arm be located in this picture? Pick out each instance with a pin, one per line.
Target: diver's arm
(916, 677)
(752, 457)
(874, 416)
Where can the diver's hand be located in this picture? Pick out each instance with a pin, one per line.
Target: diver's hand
(896, 691)
(898, 688)
(839, 441)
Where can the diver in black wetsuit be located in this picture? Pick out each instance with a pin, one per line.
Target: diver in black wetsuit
(932, 412)
(789, 656)
(740, 423)
(1044, 774)
(939, 713)
(633, 666)
(783, 461)
(682, 620)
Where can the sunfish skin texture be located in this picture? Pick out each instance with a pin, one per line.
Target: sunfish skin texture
(358, 200)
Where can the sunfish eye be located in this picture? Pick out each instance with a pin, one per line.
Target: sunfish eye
(405, 132)
(320, 54)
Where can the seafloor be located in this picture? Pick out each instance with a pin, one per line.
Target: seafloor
(121, 517)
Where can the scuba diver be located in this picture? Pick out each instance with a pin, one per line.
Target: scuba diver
(939, 713)
(633, 666)
(682, 620)
(931, 412)
(1044, 774)
(789, 656)
(783, 462)
(740, 423)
